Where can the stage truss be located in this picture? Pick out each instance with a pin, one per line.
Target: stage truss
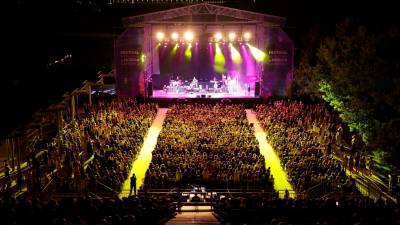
(200, 18)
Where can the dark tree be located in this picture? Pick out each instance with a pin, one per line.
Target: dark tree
(357, 72)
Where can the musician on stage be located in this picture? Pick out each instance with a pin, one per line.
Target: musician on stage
(215, 81)
(224, 83)
(194, 83)
(229, 84)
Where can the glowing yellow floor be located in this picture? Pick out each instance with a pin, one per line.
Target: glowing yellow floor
(141, 164)
(281, 182)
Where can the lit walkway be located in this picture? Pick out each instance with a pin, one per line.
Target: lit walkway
(281, 182)
(196, 218)
(143, 160)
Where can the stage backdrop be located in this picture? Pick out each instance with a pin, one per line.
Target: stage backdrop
(129, 63)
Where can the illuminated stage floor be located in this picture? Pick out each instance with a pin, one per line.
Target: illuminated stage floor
(142, 162)
(205, 94)
(281, 182)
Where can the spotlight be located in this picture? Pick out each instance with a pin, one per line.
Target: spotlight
(188, 36)
(232, 36)
(174, 36)
(247, 36)
(160, 36)
(218, 36)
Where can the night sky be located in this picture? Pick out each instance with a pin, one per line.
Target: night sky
(36, 33)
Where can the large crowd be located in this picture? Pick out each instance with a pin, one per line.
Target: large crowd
(210, 145)
(305, 137)
(133, 210)
(350, 210)
(98, 147)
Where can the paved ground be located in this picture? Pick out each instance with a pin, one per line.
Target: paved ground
(197, 218)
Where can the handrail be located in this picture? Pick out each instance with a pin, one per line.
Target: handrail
(33, 142)
(322, 189)
(315, 186)
(97, 196)
(45, 187)
(107, 187)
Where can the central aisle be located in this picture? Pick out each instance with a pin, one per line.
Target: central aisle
(197, 218)
(281, 182)
(143, 160)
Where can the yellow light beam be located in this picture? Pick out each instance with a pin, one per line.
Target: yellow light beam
(188, 51)
(258, 54)
(236, 57)
(219, 59)
(143, 160)
(281, 182)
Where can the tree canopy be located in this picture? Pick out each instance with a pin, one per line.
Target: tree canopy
(357, 72)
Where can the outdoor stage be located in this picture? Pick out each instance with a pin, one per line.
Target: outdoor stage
(203, 51)
(205, 94)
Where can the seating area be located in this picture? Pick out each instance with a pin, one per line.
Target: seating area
(99, 146)
(206, 159)
(354, 210)
(88, 211)
(304, 137)
(208, 145)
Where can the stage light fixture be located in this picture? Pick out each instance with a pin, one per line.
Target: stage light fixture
(232, 36)
(160, 36)
(247, 36)
(218, 36)
(188, 36)
(175, 36)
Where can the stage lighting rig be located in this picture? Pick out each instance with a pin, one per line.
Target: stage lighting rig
(175, 36)
(188, 36)
(247, 36)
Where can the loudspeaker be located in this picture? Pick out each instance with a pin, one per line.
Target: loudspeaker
(150, 89)
(257, 89)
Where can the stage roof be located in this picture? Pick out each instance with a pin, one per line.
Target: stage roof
(203, 12)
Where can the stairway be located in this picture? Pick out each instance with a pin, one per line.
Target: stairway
(197, 218)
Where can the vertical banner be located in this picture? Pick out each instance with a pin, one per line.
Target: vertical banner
(278, 73)
(129, 63)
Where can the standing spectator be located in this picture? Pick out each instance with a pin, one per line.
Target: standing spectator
(7, 173)
(390, 183)
(19, 178)
(133, 184)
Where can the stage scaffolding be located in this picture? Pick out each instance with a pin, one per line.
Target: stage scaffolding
(137, 60)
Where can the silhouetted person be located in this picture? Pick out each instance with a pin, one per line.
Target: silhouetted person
(196, 198)
(7, 173)
(133, 184)
(287, 194)
(19, 179)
